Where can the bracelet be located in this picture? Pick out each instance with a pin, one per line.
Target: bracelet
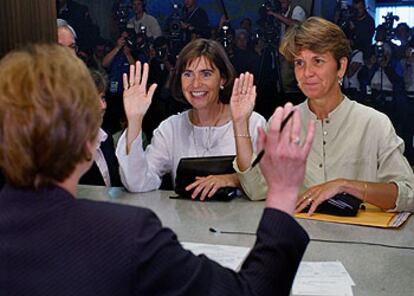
(242, 135)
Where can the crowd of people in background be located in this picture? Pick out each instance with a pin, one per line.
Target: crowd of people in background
(380, 71)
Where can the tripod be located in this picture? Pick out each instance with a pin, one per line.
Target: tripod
(269, 79)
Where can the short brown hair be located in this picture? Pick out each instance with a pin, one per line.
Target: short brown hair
(48, 112)
(215, 54)
(318, 35)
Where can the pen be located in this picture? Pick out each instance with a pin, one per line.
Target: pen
(261, 153)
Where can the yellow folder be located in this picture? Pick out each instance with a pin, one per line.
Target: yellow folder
(368, 215)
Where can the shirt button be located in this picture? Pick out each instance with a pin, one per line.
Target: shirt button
(327, 121)
(325, 133)
(320, 165)
(324, 142)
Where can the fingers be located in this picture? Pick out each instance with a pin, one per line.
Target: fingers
(145, 71)
(125, 81)
(151, 90)
(240, 86)
(235, 88)
(296, 126)
(131, 75)
(309, 138)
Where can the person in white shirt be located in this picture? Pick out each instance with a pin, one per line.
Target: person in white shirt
(203, 78)
(153, 29)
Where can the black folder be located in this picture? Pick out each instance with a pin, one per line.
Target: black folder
(191, 167)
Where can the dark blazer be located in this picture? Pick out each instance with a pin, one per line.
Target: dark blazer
(54, 244)
(94, 177)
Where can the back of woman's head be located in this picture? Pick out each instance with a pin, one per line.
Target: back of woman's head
(48, 112)
(215, 54)
(315, 34)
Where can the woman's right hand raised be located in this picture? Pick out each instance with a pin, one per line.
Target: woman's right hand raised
(243, 98)
(136, 97)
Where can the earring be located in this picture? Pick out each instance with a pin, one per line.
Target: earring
(340, 80)
(221, 86)
(88, 157)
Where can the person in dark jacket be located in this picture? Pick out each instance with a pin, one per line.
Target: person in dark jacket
(55, 244)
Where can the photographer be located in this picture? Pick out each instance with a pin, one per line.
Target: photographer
(194, 21)
(288, 15)
(161, 65)
(117, 62)
(362, 26)
(153, 29)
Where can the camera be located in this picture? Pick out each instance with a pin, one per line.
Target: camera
(269, 28)
(225, 37)
(174, 26)
(121, 15)
(269, 5)
(388, 23)
(346, 13)
(379, 51)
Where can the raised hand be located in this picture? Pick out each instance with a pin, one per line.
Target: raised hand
(243, 98)
(136, 97)
(284, 162)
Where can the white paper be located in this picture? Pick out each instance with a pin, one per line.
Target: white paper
(228, 256)
(322, 279)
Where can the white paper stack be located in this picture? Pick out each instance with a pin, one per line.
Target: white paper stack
(228, 256)
(322, 279)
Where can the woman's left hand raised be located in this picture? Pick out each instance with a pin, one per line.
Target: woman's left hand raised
(315, 195)
(208, 186)
(243, 98)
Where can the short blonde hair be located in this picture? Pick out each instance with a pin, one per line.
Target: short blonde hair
(48, 112)
(318, 35)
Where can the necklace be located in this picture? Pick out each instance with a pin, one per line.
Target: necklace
(206, 147)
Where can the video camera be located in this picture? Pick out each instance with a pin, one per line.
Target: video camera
(346, 13)
(388, 31)
(225, 37)
(121, 14)
(269, 28)
(174, 25)
(388, 23)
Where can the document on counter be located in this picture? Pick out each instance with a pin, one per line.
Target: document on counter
(322, 279)
(228, 256)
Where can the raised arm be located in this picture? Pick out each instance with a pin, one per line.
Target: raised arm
(242, 103)
(136, 100)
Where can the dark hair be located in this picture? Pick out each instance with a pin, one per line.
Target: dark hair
(215, 54)
(48, 114)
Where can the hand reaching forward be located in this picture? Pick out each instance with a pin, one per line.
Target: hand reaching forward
(243, 98)
(136, 97)
(284, 161)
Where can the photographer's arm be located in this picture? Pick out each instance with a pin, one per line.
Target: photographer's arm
(287, 21)
(128, 54)
(107, 60)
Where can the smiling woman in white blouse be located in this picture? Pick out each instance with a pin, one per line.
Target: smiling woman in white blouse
(203, 78)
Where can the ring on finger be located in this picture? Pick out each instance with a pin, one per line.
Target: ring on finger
(310, 200)
(296, 141)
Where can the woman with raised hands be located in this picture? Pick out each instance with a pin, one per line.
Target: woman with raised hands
(203, 78)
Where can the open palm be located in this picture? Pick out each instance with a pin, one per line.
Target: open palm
(136, 97)
(243, 97)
